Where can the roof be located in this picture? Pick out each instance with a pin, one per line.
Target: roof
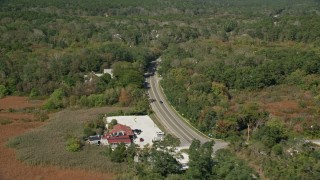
(121, 128)
(125, 139)
(94, 138)
(119, 134)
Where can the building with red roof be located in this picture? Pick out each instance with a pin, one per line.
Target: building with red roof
(119, 134)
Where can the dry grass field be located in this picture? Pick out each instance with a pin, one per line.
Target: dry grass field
(44, 147)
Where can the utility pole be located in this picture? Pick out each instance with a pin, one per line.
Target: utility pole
(248, 133)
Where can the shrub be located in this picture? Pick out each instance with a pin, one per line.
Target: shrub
(3, 91)
(277, 149)
(73, 144)
(42, 116)
(55, 101)
(87, 131)
(34, 93)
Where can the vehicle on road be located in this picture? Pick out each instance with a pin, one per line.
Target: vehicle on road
(161, 102)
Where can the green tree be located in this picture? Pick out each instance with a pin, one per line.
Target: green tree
(250, 117)
(34, 93)
(270, 135)
(168, 143)
(200, 160)
(3, 91)
(208, 122)
(103, 82)
(164, 163)
(55, 100)
(73, 144)
(112, 123)
(227, 166)
(119, 153)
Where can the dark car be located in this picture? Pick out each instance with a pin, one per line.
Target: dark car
(137, 131)
(141, 139)
(161, 102)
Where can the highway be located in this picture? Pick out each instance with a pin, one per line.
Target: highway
(169, 118)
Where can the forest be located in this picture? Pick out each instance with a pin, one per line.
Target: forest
(245, 71)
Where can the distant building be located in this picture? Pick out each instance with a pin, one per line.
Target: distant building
(89, 77)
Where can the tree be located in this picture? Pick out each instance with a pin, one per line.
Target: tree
(73, 144)
(270, 135)
(113, 122)
(200, 160)
(168, 143)
(55, 100)
(119, 155)
(208, 122)
(142, 106)
(164, 163)
(227, 166)
(103, 82)
(251, 116)
(131, 152)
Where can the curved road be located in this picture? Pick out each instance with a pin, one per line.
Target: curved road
(171, 120)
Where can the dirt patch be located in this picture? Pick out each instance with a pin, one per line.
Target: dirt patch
(16, 102)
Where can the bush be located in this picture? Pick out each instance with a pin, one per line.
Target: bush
(42, 116)
(73, 144)
(87, 131)
(3, 91)
(270, 136)
(277, 149)
(55, 101)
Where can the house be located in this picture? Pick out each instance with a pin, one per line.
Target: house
(118, 134)
(95, 139)
(89, 77)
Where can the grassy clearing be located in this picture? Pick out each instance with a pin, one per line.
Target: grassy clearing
(47, 144)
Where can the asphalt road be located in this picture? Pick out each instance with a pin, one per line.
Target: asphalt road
(170, 119)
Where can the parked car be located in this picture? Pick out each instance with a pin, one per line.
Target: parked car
(141, 139)
(160, 133)
(161, 102)
(137, 131)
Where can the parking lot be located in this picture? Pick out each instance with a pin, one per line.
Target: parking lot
(148, 128)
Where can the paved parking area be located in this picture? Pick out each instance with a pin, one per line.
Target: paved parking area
(144, 123)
